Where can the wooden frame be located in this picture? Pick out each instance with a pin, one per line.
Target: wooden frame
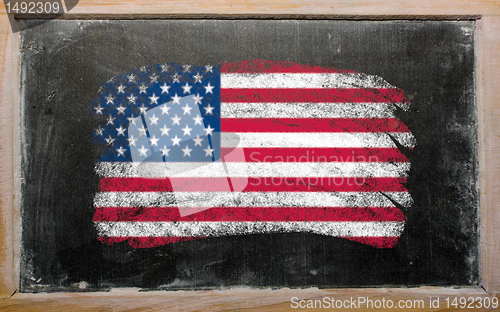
(488, 78)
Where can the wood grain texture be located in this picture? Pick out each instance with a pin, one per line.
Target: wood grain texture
(298, 7)
(490, 207)
(240, 299)
(8, 96)
(488, 76)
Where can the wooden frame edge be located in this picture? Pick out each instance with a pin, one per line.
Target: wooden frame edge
(9, 87)
(487, 77)
(479, 79)
(238, 298)
(489, 80)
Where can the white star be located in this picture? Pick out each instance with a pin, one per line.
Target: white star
(176, 141)
(109, 99)
(209, 88)
(187, 130)
(142, 89)
(121, 151)
(176, 99)
(208, 68)
(164, 109)
(164, 88)
(143, 68)
(121, 130)
(121, 89)
(187, 88)
(187, 151)
(131, 77)
(154, 141)
(176, 78)
(121, 109)
(143, 151)
(208, 151)
(197, 140)
(187, 109)
(198, 120)
(164, 130)
(154, 120)
(153, 78)
(142, 131)
(132, 98)
(164, 68)
(142, 109)
(110, 140)
(99, 130)
(164, 151)
(197, 99)
(110, 120)
(209, 110)
(209, 130)
(176, 120)
(197, 78)
(154, 99)
(98, 110)
(186, 67)
(131, 140)
(131, 120)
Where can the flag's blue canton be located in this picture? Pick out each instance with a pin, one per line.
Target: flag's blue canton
(166, 112)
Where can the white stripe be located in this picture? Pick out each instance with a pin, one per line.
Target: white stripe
(188, 229)
(251, 199)
(306, 80)
(242, 169)
(308, 110)
(313, 139)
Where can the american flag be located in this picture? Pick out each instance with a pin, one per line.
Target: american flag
(252, 147)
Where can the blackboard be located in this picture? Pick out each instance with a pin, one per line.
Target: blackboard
(65, 63)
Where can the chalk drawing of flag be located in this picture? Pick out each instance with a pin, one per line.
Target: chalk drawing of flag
(252, 147)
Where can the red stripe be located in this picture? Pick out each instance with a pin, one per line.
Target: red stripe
(312, 95)
(263, 66)
(378, 242)
(313, 125)
(146, 242)
(149, 242)
(235, 214)
(258, 184)
(314, 155)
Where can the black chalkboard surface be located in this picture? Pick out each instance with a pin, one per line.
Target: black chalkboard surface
(69, 68)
